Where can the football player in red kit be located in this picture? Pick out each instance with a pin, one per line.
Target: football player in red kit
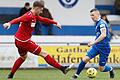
(23, 38)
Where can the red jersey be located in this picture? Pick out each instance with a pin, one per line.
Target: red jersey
(27, 24)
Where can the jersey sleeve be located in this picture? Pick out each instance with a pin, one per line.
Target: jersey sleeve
(102, 26)
(23, 18)
(45, 20)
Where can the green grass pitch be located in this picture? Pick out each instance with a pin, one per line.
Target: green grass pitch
(52, 74)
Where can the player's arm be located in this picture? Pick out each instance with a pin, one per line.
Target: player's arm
(48, 21)
(101, 37)
(23, 18)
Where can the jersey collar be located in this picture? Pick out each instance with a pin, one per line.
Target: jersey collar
(98, 20)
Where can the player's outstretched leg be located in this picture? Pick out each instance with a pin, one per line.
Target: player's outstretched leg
(16, 65)
(80, 67)
(107, 69)
(51, 61)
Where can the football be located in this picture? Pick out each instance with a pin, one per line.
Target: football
(91, 72)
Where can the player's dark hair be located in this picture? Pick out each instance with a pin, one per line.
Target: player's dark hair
(95, 9)
(38, 3)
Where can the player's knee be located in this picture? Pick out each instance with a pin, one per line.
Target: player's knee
(37, 51)
(24, 57)
(43, 53)
(101, 68)
(86, 59)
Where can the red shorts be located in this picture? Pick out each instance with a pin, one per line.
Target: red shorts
(29, 46)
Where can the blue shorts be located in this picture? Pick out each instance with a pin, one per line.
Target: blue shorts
(103, 54)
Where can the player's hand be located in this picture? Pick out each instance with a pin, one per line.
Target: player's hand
(91, 43)
(59, 25)
(6, 25)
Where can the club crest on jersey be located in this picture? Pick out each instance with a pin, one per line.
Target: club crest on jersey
(68, 3)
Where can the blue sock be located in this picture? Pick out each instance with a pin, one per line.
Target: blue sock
(107, 68)
(80, 67)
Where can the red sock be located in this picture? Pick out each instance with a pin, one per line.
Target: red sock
(17, 64)
(52, 62)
